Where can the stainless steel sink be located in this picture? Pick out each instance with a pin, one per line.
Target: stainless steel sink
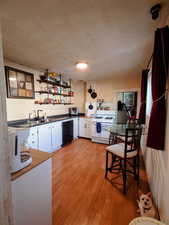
(28, 123)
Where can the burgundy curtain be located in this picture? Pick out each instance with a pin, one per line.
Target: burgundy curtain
(142, 114)
(156, 131)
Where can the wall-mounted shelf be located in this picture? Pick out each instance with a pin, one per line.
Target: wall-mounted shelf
(53, 103)
(50, 93)
(53, 83)
(56, 89)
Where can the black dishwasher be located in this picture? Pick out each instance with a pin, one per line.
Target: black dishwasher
(67, 132)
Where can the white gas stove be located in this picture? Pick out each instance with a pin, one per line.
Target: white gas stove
(106, 119)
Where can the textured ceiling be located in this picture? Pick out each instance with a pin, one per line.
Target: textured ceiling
(114, 36)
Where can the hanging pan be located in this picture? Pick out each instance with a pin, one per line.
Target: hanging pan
(94, 94)
(90, 106)
(90, 90)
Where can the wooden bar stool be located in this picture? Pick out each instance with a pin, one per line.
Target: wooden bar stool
(124, 154)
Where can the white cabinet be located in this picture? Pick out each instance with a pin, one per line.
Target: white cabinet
(33, 138)
(56, 135)
(32, 196)
(85, 127)
(75, 128)
(48, 137)
(88, 124)
(45, 137)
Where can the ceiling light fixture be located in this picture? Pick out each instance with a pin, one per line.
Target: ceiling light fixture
(81, 65)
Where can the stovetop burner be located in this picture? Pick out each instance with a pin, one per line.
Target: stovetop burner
(109, 118)
(98, 117)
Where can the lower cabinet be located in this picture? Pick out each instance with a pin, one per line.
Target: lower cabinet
(85, 127)
(75, 128)
(45, 138)
(33, 138)
(48, 137)
(56, 133)
(32, 196)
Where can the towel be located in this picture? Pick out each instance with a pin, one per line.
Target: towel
(98, 127)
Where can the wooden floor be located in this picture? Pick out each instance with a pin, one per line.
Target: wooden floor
(81, 194)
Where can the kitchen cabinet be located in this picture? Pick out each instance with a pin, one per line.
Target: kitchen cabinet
(75, 128)
(56, 135)
(33, 138)
(45, 138)
(32, 196)
(48, 137)
(85, 127)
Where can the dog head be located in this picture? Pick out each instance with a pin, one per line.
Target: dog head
(145, 200)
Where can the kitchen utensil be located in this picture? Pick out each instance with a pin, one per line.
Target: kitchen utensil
(90, 106)
(90, 90)
(94, 94)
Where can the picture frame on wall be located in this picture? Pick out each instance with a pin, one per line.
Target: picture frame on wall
(20, 84)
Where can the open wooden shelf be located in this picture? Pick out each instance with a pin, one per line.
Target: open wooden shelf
(50, 93)
(54, 103)
(53, 83)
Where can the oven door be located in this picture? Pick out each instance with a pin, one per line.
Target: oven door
(95, 134)
(105, 133)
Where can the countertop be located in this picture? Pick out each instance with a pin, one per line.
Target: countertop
(38, 157)
(27, 124)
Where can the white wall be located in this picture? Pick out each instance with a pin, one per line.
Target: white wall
(20, 108)
(5, 185)
(108, 89)
(157, 165)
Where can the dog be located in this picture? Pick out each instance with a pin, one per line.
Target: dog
(146, 206)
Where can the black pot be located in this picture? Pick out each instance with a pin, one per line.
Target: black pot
(94, 94)
(90, 90)
(90, 106)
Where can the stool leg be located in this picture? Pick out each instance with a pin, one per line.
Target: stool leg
(138, 170)
(135, 167)
(124, 176)
(106, 164)
(113, 160)
(120, 167)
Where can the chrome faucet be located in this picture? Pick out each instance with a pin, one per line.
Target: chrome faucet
(39, 110)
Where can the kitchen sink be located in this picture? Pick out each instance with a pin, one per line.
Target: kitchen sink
(27, 123)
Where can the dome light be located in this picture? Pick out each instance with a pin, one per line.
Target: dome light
(81, 65)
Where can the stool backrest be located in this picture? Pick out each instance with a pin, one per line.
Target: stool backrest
(132, 139)
(134, 121)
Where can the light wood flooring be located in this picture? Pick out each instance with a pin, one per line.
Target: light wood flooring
(81, 194)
